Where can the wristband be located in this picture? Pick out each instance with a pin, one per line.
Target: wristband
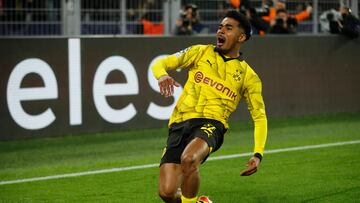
(258, 155)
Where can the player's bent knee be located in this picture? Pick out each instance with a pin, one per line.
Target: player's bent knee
(188, 163)
(187, 160)
(167, 195)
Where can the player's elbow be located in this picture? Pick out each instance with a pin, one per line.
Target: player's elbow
(160, 68)
(259, 115)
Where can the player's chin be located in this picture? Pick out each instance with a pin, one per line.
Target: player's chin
(220, 45)
(221, 49)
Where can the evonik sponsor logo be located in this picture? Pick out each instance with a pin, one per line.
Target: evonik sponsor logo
(199, 77)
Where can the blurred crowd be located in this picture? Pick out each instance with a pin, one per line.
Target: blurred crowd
(340, 21)
(273, 17)
(146, 16)
(29, 10)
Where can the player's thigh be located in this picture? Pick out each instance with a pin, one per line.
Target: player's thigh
(170, 177)
(212, 133)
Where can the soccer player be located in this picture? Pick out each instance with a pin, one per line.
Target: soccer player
(218, 79)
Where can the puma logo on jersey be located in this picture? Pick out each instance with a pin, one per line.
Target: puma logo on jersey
(209, 62)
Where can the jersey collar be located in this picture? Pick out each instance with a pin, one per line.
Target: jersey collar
(240, 58)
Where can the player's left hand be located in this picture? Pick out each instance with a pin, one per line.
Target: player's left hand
(252, 166)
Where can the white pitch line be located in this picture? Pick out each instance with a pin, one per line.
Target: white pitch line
(273, 151)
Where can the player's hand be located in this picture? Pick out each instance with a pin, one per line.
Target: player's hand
(166, 85)
(252, 166)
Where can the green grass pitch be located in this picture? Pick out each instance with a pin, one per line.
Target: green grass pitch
(329, 174)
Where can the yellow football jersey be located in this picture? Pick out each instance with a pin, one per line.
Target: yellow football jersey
(214, 88)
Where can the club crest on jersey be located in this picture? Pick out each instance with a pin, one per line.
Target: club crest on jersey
(236, 75)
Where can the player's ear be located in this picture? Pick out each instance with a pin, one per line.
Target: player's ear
(242, 38)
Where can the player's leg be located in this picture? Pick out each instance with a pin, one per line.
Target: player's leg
(194, 154)
(170, 177)
(169, 182)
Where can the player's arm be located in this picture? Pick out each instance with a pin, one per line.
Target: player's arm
(182, 59)
(256, 106)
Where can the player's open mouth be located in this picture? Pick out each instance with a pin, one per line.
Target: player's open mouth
(220, 41)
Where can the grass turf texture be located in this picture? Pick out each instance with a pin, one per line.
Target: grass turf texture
(315, 175)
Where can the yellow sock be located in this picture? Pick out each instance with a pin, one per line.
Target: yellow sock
(188, 200)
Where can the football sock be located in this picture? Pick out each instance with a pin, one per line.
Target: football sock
(188, 200)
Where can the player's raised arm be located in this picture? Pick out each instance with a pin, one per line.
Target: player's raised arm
(160, 68)
(181, 59)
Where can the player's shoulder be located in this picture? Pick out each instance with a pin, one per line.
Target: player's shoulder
(193, 49)
(250, 73)
(247, 68)
(202, 47)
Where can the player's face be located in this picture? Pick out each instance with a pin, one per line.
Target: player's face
(229, 35)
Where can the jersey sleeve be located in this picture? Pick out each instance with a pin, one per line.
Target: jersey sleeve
(256, 106)
(181, 59)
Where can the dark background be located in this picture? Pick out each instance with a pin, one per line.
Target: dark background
(301, 75)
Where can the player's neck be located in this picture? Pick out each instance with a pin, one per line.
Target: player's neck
(233, 53)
